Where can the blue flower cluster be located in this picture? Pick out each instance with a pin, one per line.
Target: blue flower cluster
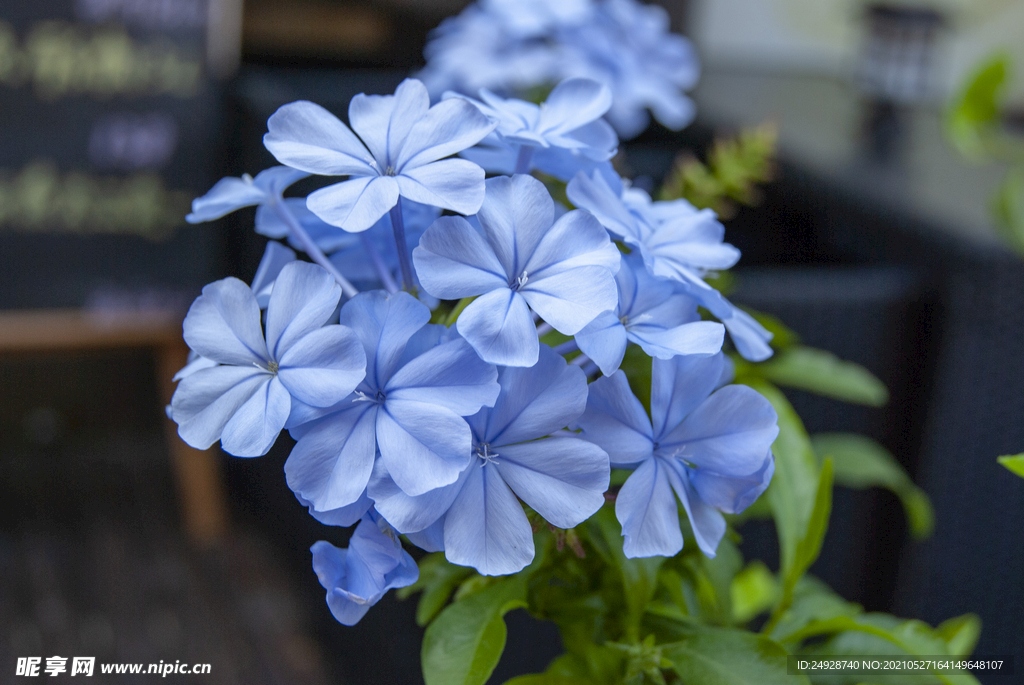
(513, 46)
(440, 432)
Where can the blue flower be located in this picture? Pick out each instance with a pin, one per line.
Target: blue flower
(678, 242)
(404, 141)
(477, 520)
(712, 449)
(652, 313)
(420, 381)
(246, 400)
(327, 237)
(567, 125)
(353, 259)
(563, 272)
(356, 578)
(230, 194)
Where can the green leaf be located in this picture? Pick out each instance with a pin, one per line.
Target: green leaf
(754, 590)
(637, 367)
(822, 373)
(961, 634)
(437, 580)
(809, 547)
(795, 483)
(860, 462)
(813, 600)
(976, 110)
(723, 656)
(463, 645)
(1014, 463)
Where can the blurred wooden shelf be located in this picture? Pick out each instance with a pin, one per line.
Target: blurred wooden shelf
(199, 481)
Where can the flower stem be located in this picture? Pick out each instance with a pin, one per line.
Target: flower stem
(523, 159)
(383, 272)
(398, 225)
(567, 347)
(311, 248)
(543, 329)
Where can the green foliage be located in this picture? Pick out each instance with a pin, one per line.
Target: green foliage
(973, 117)
(1008, 208)
(463, 645)
(734, 168)
(822, 373)
(961, 634)
(861, 462)
(1014, 463)
(754, 590)
(725, 656)
(438, 579)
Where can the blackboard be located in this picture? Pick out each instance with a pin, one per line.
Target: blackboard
(110, 126)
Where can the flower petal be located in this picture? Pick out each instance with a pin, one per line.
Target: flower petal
(453, 260)
(223, 324)
(206, 400)
(324, 367)
(563, 479)
(573, 103)
(343, 516)
(448, 127)
(276, 179)
(678, 385)
(729, 433)
(536, 401)
(646, 508)
(384, 324)
(449, 375)
(410, 514)
(707, 523)
(226, 195)
(275, 256)
(384, 121)
(569, 300)
(604, 341)
(516, 214)
(423, 446)
(500, 328)
(330, 465)
(732, 494)
(252, 430)
(306, 136)
(486, 527)
(304, 298)
(697, 338)
(357, 204)
(616, 421)
(454, 184)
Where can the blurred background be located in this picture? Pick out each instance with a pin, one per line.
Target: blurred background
(878, 240)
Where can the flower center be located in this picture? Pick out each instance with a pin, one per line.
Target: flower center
(376, 398)
(520, 282)
(271, 368)
(486, 455)
(390, 171)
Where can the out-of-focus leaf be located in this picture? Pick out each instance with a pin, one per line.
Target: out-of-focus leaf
(976, 110)
(723, 656)
(822, 373)
(860, 462)
(438, 579)
(754, 590)
(813, 601)
(961, 634)
(1014, 464)
(1008, 208)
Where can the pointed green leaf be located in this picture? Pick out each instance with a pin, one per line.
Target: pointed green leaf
(754, 590)
(437, 580)
(860, 462)
(961, 634)
(822, 373)
(463, 645)
(1015, 464)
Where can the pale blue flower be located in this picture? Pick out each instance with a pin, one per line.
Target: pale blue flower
(652, 313)
(568, 124)
(517, 452)
(356, 578)
(420, 381)
(327, 237)
(231, 193)
(712, 448)
(245, 401)
(678, 242)
(401, 153)
(564, 272)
